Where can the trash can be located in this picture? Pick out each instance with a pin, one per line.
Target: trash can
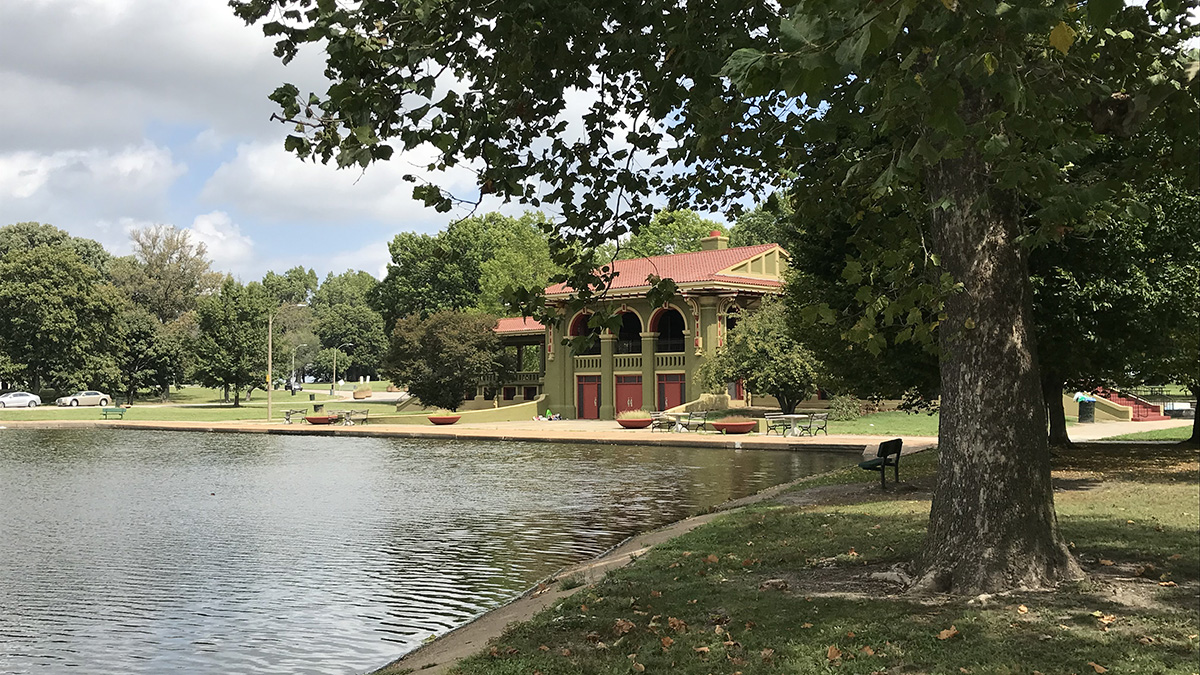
(312, 397)
(1087, 411)
(318, 407)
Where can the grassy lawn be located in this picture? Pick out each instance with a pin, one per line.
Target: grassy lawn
(892, 423)
(698, 605)
(1172, 434)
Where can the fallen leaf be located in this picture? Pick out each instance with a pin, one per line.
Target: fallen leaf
(1177, 556)
(566, 652)
(1097, 613)
(1022, 609)
(666, 642)
(750, 624)
(656, 594)
(1146, 640)
(601, 645)
(963, 670)
(806, 625)
(692, 602)
(850, 634)
(700, 650)
(767, 654)
(833, 653)
(622, 626)
(948, 633)
(719, 630)
(639, 667)
(677, 625)
(1106, 563)
(544, 648)
(1097, 667)
(687, 554)
(583, 608)
(852, 553)
(868, 651)
(1167, 583)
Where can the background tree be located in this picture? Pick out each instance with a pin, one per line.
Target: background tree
(30, 235)
(321, 364)
(172, 272)
(149, 354)
(57, 319)
(359, 325)
(293, 287)
(670, 232)
(231, 341)
(352, 287)
(766, 223)
(519, 261)
(973, 110)
(763, 351)
(440, 357)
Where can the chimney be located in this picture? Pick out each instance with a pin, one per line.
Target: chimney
(714, 241)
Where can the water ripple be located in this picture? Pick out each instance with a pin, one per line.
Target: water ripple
(147, 552)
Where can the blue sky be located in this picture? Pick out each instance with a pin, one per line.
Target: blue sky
(126, 113)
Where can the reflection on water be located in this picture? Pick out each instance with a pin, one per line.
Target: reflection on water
(149, 552)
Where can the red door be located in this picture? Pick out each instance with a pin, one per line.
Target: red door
(670, 391)
(587, 397)
(628, 393)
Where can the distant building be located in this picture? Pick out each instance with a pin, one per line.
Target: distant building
(652, 361)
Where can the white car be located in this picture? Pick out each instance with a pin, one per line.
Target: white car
(20, 399)
(85, 398)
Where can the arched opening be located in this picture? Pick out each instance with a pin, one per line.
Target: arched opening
(580, 327)
(670, 331)
(629, 340)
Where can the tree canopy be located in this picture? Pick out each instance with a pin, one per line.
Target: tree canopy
(442, 356)
(231, 345)
(977, 116)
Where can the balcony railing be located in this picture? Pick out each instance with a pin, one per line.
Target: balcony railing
(587, 363)
(668, 361)
(627, 362)
(527, 377)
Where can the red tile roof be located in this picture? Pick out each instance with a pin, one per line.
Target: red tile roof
(519, 325)
(685, 268)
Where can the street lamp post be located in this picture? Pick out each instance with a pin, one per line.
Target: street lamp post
(333, 384)
(294, 366)
(271, 350)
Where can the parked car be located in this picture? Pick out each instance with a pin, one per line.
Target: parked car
(85, 398)
(20, 399)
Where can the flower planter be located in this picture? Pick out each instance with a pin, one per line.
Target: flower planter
(734, 427)
(636, 423)
(444, 419)
(321, 419)
(360, 394)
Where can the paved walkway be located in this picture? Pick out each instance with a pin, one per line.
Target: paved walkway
(1098, 430)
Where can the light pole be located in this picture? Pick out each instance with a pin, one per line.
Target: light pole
(271, 349)
(294, 366)
(333, 384)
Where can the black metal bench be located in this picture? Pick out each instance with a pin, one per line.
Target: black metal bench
(695, 421)
(109, 413)
(287, 414)
(818, 422)
(661, 421)
(353, 416)
(776, 423)
(888, 455)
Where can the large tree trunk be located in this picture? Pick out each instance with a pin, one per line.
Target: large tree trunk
(1052, 393)
(992, 525)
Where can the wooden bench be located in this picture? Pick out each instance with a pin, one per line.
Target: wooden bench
(776, 423)
(818, 422)
(352, 416)
(888, 455)
(109, 413)
(287, 414)
(695, 421)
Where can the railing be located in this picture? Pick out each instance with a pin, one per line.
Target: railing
(526, 377)
(627, 362)
(668, 361)
(628, 346)
(587, 363)
(668, 345)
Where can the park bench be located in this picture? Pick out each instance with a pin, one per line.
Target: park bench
(661, 421)
(287, 414)
(109, 413)
(353, 416)
(776, 423)
(695, 421)
(818, 422)
(888, 455)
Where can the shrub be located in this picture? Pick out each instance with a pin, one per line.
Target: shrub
(736, 418)
(633, 415)
(843, 408)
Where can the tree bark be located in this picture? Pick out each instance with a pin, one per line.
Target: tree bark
(1052, 393)
(992, 525)
(1195, 439)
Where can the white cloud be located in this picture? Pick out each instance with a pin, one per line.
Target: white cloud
(229, 249)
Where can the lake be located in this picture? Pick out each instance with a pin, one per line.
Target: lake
(152, 552)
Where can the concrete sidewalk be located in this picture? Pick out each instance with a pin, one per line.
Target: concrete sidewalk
(1097, 430)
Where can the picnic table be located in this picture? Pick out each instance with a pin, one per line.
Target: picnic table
(794, 428)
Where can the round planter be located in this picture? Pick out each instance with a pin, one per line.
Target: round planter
(636, 423)
(444, 419)
(734, 427)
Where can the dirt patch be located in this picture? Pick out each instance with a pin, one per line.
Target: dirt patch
(858, 582)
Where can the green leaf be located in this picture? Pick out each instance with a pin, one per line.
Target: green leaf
(989, 62)
(1101, 11)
